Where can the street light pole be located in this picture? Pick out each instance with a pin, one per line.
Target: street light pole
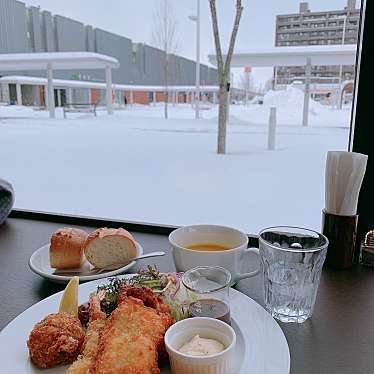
(340, 103)
(197, 103)
(197, 19)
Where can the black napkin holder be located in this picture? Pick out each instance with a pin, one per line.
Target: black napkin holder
(341, 232)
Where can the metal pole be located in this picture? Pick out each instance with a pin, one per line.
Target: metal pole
(246, 87)
(214, 97)
(197, 104)
(308, 72)
(166, 45)
(109, 98)
(51, 94)
(46, 97)
(339, 101)
(58, 97)
(19, 94)
(5, 90)
(272, 127)
(69, 94)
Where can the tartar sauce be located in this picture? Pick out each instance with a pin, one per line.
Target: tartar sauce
(202, 347)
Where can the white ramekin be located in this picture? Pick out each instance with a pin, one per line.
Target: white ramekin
(183, 331)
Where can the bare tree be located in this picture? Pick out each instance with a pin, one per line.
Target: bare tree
(164, 38)
(224, 70)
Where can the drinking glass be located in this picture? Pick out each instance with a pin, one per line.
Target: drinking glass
(292, 260)
(208, 292)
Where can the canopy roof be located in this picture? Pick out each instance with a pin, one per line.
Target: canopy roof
(57, 60)
(295, 56)
(64, 83)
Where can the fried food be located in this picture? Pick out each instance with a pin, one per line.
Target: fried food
(148, 297)
(130, 341)
(55, 340)
(97, 320)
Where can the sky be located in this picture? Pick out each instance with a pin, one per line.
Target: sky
(135, 20)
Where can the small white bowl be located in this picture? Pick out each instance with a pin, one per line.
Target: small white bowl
(183, 331)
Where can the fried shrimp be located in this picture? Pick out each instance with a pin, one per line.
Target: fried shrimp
(55, 340)
(96, 323)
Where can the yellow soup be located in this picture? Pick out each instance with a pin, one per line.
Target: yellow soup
(208, 247)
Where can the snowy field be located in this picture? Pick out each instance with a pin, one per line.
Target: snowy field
(137, 166)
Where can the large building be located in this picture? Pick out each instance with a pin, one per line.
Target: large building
(317, 28)
(29, 29)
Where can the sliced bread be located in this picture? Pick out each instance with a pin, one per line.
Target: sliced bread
(66, 249)
(109, 248)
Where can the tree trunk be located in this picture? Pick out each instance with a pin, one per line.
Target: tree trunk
(222, 118)
(223, 66)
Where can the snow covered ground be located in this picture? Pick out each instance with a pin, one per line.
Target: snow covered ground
(137, 166)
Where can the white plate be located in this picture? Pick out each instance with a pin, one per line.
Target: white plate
(39, 263)
(261, 346)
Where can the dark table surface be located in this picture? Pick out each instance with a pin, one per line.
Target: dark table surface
(339, 338)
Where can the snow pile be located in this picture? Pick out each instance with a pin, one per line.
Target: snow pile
(292, 98)
(166, 164)
(16, 111)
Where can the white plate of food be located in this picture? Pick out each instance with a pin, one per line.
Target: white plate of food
(68, 253)
(261, 346)
(39, 263)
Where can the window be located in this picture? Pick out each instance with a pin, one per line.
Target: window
(136, 165)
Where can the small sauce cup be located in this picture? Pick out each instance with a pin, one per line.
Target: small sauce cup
(208, 289)
(183, 331)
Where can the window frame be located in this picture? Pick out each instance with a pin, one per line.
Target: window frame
(361, 139)
(362, 130)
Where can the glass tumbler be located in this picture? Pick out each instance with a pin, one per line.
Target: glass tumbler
(292, 260)
(208, 292)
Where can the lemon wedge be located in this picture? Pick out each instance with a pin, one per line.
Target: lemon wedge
(69, 300)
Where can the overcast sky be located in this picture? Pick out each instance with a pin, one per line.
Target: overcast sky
(135, 19)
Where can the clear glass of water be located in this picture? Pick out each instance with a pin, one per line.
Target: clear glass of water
(292, 260)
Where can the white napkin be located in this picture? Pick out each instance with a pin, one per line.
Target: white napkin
(345, 172)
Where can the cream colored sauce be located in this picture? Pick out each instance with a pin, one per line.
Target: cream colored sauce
(202, 347)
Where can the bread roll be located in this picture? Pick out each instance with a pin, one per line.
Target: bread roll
(109, 248)
(66, 249)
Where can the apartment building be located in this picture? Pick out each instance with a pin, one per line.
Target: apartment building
(309, 27)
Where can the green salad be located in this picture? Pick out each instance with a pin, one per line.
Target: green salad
(166, 285)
